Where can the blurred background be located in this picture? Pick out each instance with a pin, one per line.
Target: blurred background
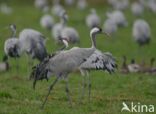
(132, 29)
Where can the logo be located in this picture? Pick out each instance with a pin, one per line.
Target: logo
(137, 107)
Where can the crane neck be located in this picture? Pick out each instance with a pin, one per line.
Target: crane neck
(63, 20)
(93, 39)
(13, 34)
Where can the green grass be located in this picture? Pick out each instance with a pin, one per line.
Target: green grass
(108, 91)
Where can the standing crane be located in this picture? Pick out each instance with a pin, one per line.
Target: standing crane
(65, 62)
(30, 41)
(137, 8)
(141, 32)
(57, 8)
(69, 2)
(47, 21)
(33, 43)
(12, 47)
(119, 4)
(81, 4)
(58, 27)
(92, 20)
(40, 4)
(60, 30)
(118, 17)
(110, 27)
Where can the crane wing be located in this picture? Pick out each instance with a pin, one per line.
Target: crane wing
(41, 71)
(100, 61)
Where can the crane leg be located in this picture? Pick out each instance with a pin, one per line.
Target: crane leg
(89, 87)
(68, 92)
(30, 64)
(83, 88)
(50, 89)
(28, 67)
(17, 65)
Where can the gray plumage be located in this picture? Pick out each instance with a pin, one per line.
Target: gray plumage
(100, 61)
(6, 9)
(81, 4)
(71, 34)
(93, 20)
(40, 4)
(137, 8)
(47, 21)
(12, 45)
(57, 8)
(118, 17)
(69, 2)
(12, 48)
(141, 32)
(30, 41)
(152, 5)
(60, 30)
(65, 62)
(119, 4)
(40, 71)
(110, 26)
(58, 27)
(33, 42)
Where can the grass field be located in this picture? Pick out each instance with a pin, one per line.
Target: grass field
(108, 91)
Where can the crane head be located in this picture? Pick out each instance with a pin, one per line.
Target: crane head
(64, 40)
(12, 26)
(64, 15)
(99, 30)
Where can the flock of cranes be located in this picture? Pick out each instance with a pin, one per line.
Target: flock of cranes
(65, 61)
(30, 42)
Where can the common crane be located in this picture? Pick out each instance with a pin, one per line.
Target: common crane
(58, 27)
(141, 32)
(92, 20)
(40, 4)
(137, 8)
(81, 4)
(110, 27)
(47, 21)
(30, 41)
(69, 2)
(118, 17)
(119, 4)
(61, 30)
(57, 8)
(12, 47)
(65, 62)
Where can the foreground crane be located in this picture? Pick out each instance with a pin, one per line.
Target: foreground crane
(63, 63)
